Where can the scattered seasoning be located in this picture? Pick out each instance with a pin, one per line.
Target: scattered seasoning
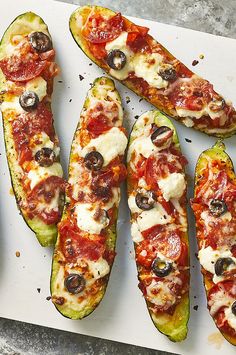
(81, 77)
(195, 308)
(127, 99)
(39, 290)
(194, 296)
(48, 298)
(201, 56)
(140, 100)
(60, 81)
(90, 64)
(136, 117)
(188, 140)
(196, 254)
(195, 62)
(11, 192)
(17, 254)
(70, 100)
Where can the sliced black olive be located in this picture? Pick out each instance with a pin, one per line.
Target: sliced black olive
(161, 135)
(222, 265)
(29, 101)
(116, 59)
(233, 308)
(145, 200)
(40, 42)
(217, 207)
(45, 157)
(168, 73)
(74, 283)
(217, 105)
(161, 268)
(93, 160)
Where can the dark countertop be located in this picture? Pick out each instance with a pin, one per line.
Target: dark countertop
(213, 16)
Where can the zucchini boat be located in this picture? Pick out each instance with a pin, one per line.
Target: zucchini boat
(128, 53)
(27, 68)
(214, 208)
(157, 201)
(85, 247)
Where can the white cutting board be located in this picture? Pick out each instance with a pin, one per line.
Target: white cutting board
(122, 315)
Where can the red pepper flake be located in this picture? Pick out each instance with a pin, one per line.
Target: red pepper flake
(195, 62)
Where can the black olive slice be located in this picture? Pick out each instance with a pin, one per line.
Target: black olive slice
(217, 207)
(233, 308)
(45, 157)
(161, 268)
(222, 265)
(217, 105)
(93, 160)
(168, 73)
(161, 135)
(29, 101)
(145, 200)
(116, 59)
(40, 42)
(75, 283)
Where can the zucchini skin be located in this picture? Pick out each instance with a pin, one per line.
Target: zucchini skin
(46, 234)
(65, 309)
(216, 152)
(81, 42)
(173, 326)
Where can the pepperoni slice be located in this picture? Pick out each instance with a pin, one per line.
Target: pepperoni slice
(74, 243)
(136, 38)
(161, 165)
(167, 243)
(43, 193)
(18, 68)
(101, 30)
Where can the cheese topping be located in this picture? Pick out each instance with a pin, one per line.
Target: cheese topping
(135, 233)
(218, 300)
(109, 145)
(99, 268)
(37, 85)
(157, 215)
(230, 317)
(39, 173)
(86, 218)
(208, 257)
(173, 186)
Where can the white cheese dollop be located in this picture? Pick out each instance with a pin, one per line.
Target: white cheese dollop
(39, 173)
(37, 85)
(109, 145)
(172, 186)
(157, 215)
(85, 218)
(98, 268)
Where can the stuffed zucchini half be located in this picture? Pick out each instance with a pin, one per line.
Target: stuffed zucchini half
(27, 69)
(157, 201)
(128, 53)
(85, 247)
(214, 208)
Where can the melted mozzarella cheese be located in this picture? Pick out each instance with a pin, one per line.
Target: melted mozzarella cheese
(160, 294)
(44, 140)
(147, 67)
(99, 268)
(132, 205)
(120, 43)
(85, 218)
(37, 85)
(197, 114)
(12, 105)
(40, 173)
(157, 215)
(173, 186)
(208, 257)
(109, 145)
(135, 233)
(230, 317)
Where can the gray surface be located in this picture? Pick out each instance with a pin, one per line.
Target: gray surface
(213, 16)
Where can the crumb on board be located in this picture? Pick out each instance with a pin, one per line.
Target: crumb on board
(201, 56)
(195, 62)
(39, 290)
(48, 298)
(81, 77)
(188, 140)
(17, 254)
(127, 99)
(195, 308)
(136, 117)
(11, 192)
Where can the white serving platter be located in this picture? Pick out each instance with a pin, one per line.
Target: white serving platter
(122, 315)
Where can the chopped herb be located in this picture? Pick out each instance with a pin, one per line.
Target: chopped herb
(48, 298)
(81, 77)
(60, 81)
(188, 140)
(39, 290)
(195, 308)
(195, 62)
(136, 117)
(70, 100)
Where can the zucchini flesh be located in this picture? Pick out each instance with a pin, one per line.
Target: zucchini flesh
(81, 304)
(213, 160)
(23, 25)
(172, 324)
(152, 94)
